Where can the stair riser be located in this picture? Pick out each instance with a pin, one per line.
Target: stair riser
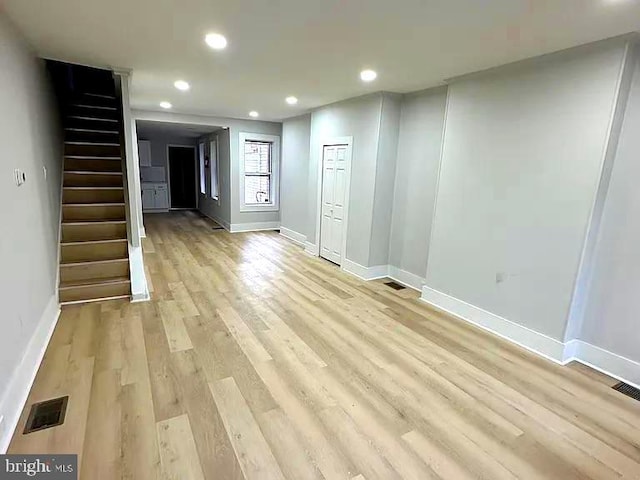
(74, 136)
(73, 213)
(77, 294)
(93, 124)
(93, 252)
(93, 111)
(86, 165)
(93, 196)
(79, 233)
(76, 180)
(92, 150)
(94, 271)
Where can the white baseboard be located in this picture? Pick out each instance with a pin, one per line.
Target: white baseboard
(294, 236)
(405, 278)
(16, 392)
(609, 363)
(224, 224)
(137, 274)
(142, 232)
(531, 340)
(311, 249)
(253, 227)
(365, 273)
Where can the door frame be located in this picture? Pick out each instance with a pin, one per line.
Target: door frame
(328, 142)
(197, 168)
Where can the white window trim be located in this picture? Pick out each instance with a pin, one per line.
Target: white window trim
(216, 197)
(274, 206)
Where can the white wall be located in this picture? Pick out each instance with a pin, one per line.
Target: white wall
(419, 144)
(385, 179)
(219, 210)
(360, 119)
(522, 156)
(294, 174)
(30, 139)
(611, 318)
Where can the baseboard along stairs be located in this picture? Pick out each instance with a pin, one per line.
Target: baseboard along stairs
(94, 263)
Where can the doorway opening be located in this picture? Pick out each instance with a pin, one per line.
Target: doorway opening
(182, 176)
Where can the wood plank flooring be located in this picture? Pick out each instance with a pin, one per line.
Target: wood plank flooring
(257, 361)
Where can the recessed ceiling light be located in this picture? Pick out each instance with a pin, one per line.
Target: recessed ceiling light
(182, 85)
(165, 105)
(368, 75)
(291, 100)
(216, 41)
(253, 113)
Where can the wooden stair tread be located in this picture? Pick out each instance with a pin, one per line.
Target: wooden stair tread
(94, 282)
(93, 188)
(95, 144)
(99, 95)
(90, 172)
(101, 204)
(94, 157)
(93, 119)
(93, 262)
(89, 242)
(93, 222)
(101, 107)
(91, 130)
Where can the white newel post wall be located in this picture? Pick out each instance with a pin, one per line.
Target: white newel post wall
(139, 288)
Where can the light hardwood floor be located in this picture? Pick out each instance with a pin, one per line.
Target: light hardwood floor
(256, 361)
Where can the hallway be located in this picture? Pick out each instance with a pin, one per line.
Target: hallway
(254, 360)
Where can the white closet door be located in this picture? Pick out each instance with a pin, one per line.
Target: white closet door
(334, 181)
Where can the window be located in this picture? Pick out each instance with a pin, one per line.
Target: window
(203, 184)
(213, 165)
(259, 162)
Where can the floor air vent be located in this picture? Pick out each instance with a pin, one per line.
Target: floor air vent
(395, 285)
(46, 414)
(628, 390)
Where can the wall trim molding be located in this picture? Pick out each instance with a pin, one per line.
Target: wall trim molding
(253, 227)
(405, 278)
(222, 223)
(311, 249)
(294, 236)
(365, 273)
(17, 391)
(536, 342)
(609, 363)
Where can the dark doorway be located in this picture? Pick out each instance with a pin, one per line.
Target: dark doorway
(182, 176)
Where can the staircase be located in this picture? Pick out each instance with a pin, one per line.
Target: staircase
(94, 263)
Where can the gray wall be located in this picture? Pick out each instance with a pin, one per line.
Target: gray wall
(385, 179)
(269, 128)
(30, 139)
(294, 173)
(359, 118)
(611, 317)
(219, 210)
(419, 144)
(522, 155)
(159, 142)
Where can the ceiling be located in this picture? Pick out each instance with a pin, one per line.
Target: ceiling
(146, 128)
(313, 49)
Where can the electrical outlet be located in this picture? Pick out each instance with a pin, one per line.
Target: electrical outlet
(44, 171)
(19, 176)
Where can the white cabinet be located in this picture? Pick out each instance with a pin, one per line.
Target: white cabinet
(144, 153)
(155, 196)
